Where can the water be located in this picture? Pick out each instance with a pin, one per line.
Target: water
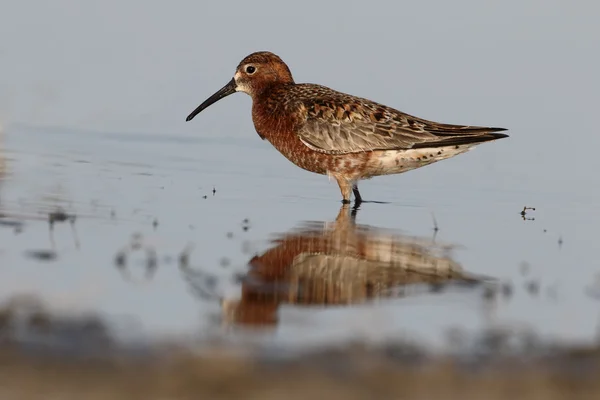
(156, 233)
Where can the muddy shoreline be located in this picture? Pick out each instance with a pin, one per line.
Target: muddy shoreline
(354, 372)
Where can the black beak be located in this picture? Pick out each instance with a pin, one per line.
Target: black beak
(223, 92)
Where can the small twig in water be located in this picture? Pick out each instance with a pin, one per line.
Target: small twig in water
(524, 213)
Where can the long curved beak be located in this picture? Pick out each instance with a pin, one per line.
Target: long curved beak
(223, 92)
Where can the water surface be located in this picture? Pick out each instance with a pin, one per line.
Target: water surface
(184, 236)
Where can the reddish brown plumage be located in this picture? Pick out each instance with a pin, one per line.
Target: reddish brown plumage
(276, 122)
(347, 137)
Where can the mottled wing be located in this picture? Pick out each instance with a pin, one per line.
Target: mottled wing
(340, 123)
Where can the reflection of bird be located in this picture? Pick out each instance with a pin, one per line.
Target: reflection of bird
(333, 133)
(339, 263)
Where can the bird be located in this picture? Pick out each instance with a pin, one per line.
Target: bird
(346, 137)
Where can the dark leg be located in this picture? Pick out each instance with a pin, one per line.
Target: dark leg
(357, 198)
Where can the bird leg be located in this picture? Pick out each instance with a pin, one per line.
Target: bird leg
(357, 198)
(345, 188)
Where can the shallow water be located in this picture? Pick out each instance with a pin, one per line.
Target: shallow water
(172, 236)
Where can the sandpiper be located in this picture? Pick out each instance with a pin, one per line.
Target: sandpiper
(346, 137)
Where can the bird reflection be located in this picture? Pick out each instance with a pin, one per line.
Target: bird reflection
(339, 263)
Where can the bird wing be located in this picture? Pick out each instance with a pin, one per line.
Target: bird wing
(338, 123)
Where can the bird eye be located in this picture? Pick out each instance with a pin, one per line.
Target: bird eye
(250, 69)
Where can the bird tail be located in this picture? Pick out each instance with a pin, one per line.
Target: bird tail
(477, 135)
